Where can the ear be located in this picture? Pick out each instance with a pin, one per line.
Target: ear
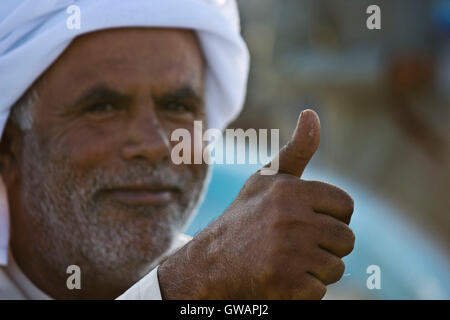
(10, 149)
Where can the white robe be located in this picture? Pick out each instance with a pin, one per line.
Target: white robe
(14, 285)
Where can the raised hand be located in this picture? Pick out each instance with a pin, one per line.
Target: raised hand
(282, 237)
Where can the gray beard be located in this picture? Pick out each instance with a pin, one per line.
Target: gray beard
(73, 224)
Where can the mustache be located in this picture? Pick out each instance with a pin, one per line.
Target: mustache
(161, 175)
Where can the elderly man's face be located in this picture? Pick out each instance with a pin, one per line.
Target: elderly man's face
(95, 184)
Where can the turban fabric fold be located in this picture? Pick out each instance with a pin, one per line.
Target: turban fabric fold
(33, 34)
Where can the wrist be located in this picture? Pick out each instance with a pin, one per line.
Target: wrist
(184, 275)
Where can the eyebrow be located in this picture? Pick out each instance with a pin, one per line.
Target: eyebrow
(101, 92)
(186, 92)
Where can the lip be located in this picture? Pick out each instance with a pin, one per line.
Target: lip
(142, 195)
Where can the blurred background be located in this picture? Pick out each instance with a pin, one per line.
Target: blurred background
(383, 97)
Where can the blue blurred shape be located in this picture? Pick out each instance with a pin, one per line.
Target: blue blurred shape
(441, 14)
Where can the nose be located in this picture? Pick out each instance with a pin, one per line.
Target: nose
(146, 139)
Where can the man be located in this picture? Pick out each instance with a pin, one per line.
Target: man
(85, 159)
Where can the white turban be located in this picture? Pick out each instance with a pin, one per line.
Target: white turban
(33, 34)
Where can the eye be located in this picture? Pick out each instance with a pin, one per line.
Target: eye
(102, 111)
(178, 107)
(101, 108)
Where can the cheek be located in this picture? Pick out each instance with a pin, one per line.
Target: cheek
(88, 148)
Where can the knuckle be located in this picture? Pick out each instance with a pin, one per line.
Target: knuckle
(348, 241)
(347, 234)
(316, 291)
(342, 199)
(307, 288)
(320, 292)
(333, 271)
(348, 205)
(345, 200)
(352, 238)
(339, 231)
(337, 270)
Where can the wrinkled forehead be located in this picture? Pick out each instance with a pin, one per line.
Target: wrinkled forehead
(158, 38)
(159, 58)
(116, 47)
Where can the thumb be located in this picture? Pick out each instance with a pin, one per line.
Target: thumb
(295, 155)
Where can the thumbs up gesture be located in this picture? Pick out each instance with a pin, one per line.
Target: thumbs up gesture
(282, 237)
